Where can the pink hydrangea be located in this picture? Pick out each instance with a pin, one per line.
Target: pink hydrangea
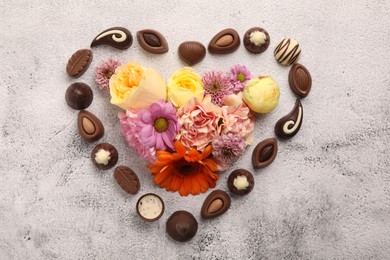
(132, 135)
(238, 119)
(199, 123)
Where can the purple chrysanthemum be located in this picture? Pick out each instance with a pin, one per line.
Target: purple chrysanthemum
(104, 72)
(217, 84)
(240, 75)
(227, 149)
(158, 125)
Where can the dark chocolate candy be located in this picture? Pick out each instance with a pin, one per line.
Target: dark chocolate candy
(117, 37)
(241, 182)
(264, 153)
(290, 124)
(256, 40)
(90, 127)
(152, 41)
(299, 79)
(192, 52)
(216, 203)
(79, 62)
(150, 207)
(182, 226)
(79, 96)
(104, 156)
(127, 179)
(224, 42)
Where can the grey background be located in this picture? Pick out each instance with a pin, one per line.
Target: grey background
(326, 196)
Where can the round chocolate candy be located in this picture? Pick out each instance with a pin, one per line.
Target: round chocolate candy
(104, 156)
(182, 226)
(256, 40)
(150, 207)
(79, 96)
(287, 51)
(241, 182)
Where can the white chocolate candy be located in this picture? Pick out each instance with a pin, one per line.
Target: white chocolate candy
(150, 206)
(257, 38)
(241, 182)
(102, 156)
(287, 52)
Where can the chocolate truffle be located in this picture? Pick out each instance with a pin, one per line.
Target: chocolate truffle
(182, 226)
(150, 207)
(90, 127)
(192, 52)
(287, 52)
(104, 156)
(241, 182)
(299, 79)
(289, 125)
(264, 153)
(216, 203)
(127, 179)
(79, 63)
(117, 37)
(79, 96)
(256, 40)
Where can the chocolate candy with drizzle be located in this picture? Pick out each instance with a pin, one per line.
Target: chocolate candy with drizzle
(290, 124)
(287, 52)
(117, 37)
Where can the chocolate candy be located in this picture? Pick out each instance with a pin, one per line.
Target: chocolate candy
(192, 52)
(104, 156)
(216, 203)
(256, 40)
(127, 179)
(150, 207)
(79, 63)
(299, 79)
(290, 124)
(79, 96)
(241, 182)
(117, 37)
(90, 127)
(264, 153)
(152, 41)
(224, 42)
(182, 226)
(287, 51)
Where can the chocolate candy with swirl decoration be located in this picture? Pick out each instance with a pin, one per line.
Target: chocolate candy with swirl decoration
(290, 124)
(117, 37)
(287, 52)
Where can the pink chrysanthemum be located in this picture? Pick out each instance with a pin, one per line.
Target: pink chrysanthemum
(158, 125)
(132, 135)
(104, 72)
(240, 75)
(227, 149)
(217, 84)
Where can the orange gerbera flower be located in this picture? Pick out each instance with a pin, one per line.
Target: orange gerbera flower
(188, 173)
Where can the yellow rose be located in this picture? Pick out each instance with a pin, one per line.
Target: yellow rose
(136, 87)
(261, 94)
(183, 85)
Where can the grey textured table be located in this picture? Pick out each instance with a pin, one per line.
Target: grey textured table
(326, 196)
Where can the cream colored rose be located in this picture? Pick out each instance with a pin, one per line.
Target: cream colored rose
(261, 94)
(136, 87)
(183, 85)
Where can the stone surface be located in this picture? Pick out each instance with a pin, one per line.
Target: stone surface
(326, 196)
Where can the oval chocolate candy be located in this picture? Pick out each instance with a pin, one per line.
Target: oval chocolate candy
(224, 42)
(127, 179)
(241, 182)
(289, 125)
(216, 203)
(117, 37)
(104, 156)
(79, 63)
(264, 153)
(152, 41)
(299, 79)
(90, 127)
(192, 52)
